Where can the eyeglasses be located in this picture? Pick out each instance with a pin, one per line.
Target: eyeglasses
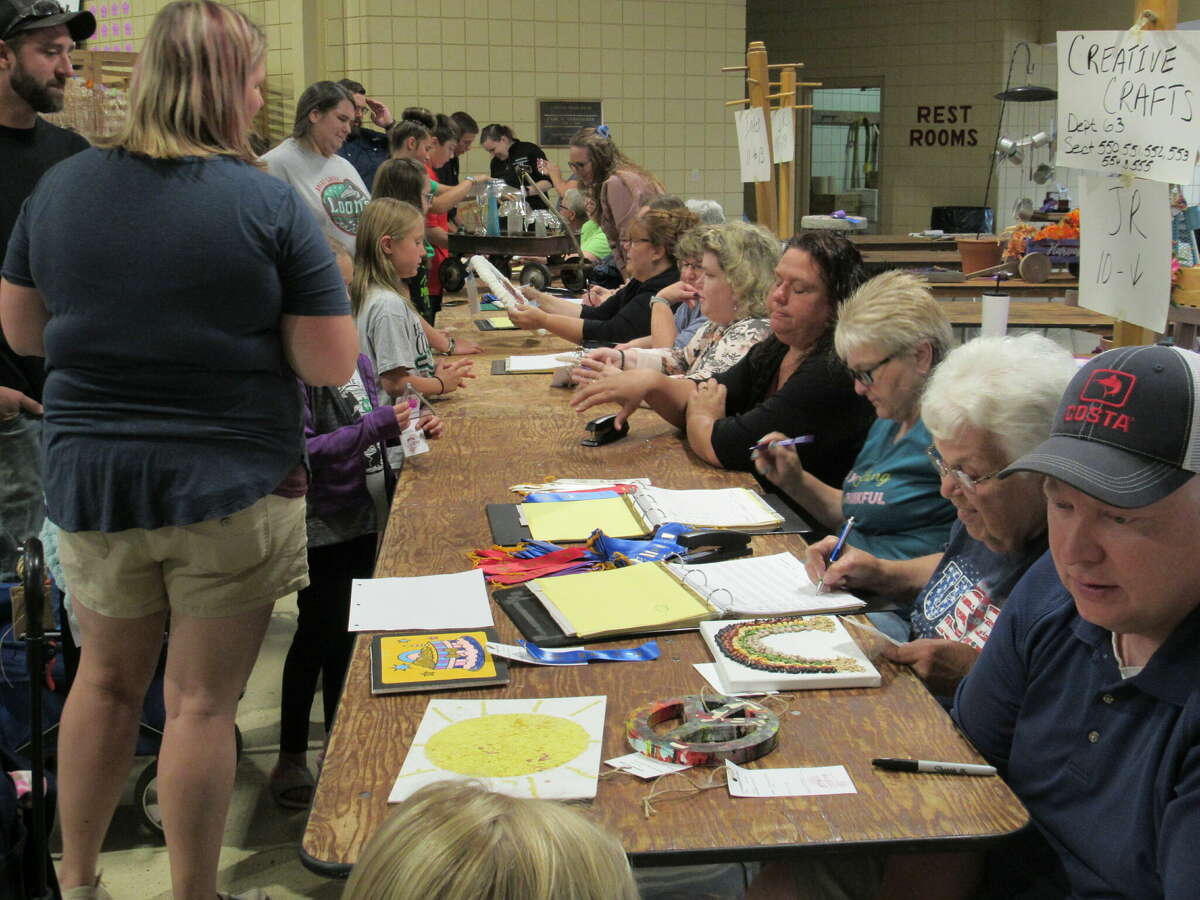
(39, 9)
(625, 241)
(967, 483)
(866, 377)
(577, 165)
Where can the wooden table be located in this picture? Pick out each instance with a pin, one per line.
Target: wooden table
(1057, 286)
(937, 255)
(865, 242)
(437, 516)
(1029, 314)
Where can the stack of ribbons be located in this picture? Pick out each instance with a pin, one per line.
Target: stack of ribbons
(539, 559)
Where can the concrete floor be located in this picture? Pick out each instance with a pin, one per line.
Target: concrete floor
(261, 839)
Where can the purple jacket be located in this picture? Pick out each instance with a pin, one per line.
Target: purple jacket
(337, 439)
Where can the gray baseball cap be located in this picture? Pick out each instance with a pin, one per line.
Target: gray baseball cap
(19, 16)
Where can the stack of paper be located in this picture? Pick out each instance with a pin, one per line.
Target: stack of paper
(763, 586)
(546, 362)
(406, 604)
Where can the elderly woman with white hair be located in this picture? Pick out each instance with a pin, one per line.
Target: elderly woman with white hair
(988, 403)
(891, 333)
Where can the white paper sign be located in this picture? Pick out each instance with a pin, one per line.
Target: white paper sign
(752, 144)
(808, 782)
(783, 134)
(420, 603)
(1125, 249)
(1129, 103)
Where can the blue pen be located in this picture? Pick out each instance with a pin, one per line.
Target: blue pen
(837, 549)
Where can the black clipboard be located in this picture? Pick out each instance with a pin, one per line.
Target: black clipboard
(507, 529)
(486, 325)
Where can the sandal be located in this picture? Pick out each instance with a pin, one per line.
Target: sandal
(292, 786)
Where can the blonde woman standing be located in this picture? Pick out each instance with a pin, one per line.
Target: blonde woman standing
(173, 442)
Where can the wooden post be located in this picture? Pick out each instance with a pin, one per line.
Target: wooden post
(758, 87)
(1166, 12)
(787, 170)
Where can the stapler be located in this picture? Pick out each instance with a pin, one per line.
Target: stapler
(603, 431)
(714, 546)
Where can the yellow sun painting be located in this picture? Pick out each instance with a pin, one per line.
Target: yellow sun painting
(527, 748)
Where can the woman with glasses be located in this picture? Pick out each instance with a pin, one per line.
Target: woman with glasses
(573, 209)
(890, 335)
(650, 248)
(989, 402)
(789, 382)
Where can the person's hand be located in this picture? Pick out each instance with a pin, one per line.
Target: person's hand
(626, 388)
(465, 347)
(380, 114)
(679, 293)
(454, 372)
(708, 401)
(590, 370)
(431, 425)
(595, 295)
(549, 169)
(779, 465)
(13, 402)
(403, 413)
(854, 570)
(607, 355)
(528, 317)
(940, 663)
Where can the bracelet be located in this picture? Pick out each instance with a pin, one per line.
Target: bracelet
(441, 383)
(622, 352)
(663, 300)
(453, 343)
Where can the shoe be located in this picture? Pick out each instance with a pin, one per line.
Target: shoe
(292, 786)
(87, 892)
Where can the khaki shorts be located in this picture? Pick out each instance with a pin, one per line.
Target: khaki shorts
(222, 567)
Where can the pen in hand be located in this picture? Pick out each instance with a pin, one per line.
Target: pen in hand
(789, 442)
(837, 549)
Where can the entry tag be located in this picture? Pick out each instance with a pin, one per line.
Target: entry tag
(413, 441)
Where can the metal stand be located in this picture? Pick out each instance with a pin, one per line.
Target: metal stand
(33, 569)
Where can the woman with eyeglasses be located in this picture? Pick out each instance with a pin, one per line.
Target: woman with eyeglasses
(789, 382)
(650, 245)
(991, 401)
(890, 334)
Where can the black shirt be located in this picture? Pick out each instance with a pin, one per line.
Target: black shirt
(521, 154)
(818, 399)
(625, 315)
(447, 174)
(25, 154)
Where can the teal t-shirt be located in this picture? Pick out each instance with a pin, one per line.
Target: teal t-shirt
(892, 490)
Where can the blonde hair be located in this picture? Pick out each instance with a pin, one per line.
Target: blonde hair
(691, 243)
(895, 313)
(187, 94)
(383, 216)
(747, 254)
(607, 161)
(459, 841)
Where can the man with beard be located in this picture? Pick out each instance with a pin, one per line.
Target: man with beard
(36, 38)
(366, 148)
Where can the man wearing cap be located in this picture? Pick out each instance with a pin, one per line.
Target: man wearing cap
(1087, 695)
(36, 38)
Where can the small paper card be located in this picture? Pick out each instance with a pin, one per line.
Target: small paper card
(808, 782)
(413, 441)
(643, 766)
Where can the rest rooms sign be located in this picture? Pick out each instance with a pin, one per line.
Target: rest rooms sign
(944, 126)
(1129, 103)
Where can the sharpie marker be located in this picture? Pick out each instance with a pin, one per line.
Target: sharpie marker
(789, 442)
(837, 549)
(937, 768)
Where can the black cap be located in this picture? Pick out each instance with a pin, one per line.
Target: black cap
(1127, 431)
(20, 16)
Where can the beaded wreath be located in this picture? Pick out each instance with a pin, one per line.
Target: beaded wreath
(745, 643)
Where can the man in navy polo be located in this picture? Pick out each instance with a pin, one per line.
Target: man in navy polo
(1087, 695)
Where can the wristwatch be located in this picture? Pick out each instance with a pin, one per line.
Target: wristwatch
(657, 299)
(449, 351)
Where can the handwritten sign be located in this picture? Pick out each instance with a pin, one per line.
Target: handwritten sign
(1129, 103)
(783, 134)
(753, 149)
(1125, 249)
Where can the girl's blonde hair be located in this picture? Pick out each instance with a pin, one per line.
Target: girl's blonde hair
(372, 267)
(187, 96)
(459, 841)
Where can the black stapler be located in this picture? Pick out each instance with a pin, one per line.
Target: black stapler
(714, 546)
(603, 431)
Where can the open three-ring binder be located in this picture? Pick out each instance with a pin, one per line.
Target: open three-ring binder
(661, 596)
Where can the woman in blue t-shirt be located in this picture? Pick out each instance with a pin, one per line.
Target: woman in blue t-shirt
(890, 334)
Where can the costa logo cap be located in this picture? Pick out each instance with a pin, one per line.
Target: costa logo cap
(1127, 431)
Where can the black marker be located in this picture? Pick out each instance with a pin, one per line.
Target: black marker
(939, 768)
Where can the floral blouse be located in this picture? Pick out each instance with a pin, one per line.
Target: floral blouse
(715, 348)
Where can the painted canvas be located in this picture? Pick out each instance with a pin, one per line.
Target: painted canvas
(525, 747)
(437, 661)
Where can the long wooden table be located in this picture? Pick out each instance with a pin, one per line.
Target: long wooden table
(1029, 314)
(882, 260)
(508, 429)
(1056, 286)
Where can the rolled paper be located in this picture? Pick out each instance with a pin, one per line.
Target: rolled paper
(506, 293)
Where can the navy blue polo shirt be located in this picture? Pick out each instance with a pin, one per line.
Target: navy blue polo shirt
(1108, 768)
(366, 151)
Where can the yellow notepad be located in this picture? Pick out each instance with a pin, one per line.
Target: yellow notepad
(642, 597)
(501, 322)
(575, 520)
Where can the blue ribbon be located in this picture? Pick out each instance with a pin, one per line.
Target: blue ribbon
(560, 496)
(661, 546)
(646, 651)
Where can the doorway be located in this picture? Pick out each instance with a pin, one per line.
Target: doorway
(843, 157)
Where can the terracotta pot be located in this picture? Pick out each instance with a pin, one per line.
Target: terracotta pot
(977, 254)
